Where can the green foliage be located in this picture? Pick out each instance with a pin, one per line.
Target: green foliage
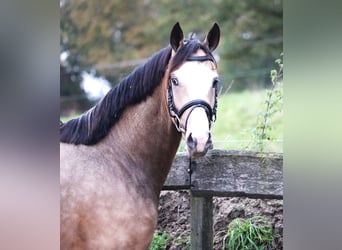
(98, 33)
(252, 42)
(160, 241)
(262, 132)
(248, 234)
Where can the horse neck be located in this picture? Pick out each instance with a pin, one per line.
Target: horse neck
(146, 140)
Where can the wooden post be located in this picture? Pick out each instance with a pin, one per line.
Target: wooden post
(201, 223)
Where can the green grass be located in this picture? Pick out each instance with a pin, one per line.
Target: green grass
(236, 117)
(160, 241)
(248, 234)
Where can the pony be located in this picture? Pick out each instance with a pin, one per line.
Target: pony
(115, 157)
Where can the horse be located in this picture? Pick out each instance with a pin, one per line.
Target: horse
(115, 157)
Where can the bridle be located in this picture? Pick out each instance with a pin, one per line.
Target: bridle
(177, 114)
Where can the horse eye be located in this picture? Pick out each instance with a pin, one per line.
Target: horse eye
(174, 81)
(216, 82)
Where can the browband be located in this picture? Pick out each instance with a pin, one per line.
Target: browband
(201, 58)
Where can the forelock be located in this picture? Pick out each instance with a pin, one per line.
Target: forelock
(189, 47)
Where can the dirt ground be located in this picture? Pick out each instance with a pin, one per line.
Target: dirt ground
(174, 217)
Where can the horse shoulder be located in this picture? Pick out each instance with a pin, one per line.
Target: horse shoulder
(99, 210)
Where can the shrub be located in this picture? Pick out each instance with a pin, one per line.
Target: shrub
(273, 104)
(159, 241)
(249, 234)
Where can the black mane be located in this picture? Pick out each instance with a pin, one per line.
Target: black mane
(95, 124)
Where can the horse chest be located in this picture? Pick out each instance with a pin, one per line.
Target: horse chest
(104, 215)
(120, 225)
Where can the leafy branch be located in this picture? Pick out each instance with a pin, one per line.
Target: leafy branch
(273, 104)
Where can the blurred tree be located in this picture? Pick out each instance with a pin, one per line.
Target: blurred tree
(101, 33)
(72, 95)
(253, 40)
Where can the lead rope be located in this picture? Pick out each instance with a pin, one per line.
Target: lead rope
(190, 173)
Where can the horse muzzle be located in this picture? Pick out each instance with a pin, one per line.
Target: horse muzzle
(197, 135)
(198, 146)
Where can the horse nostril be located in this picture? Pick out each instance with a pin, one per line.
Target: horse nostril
(209, 144)
(192, 143)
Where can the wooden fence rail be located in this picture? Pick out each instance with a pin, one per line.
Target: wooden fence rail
(228, 174)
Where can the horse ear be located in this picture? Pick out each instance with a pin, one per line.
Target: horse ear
(176, 37)
(213, 38)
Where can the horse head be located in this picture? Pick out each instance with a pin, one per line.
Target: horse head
(193, 87)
